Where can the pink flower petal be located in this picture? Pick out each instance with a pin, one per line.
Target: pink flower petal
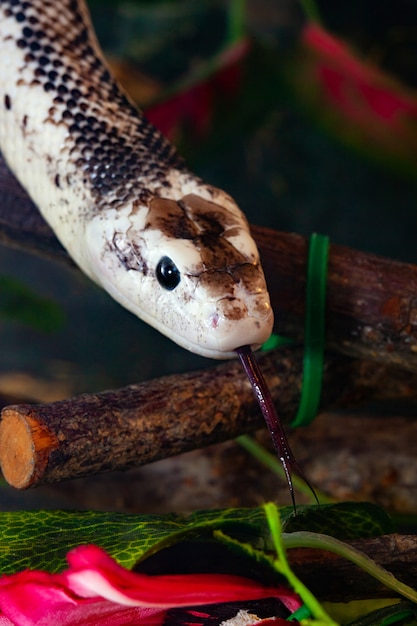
(379, 110)
(96, 590)
(193, 108)
(92, 572)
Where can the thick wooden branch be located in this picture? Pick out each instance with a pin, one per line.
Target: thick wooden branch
(333, 578)
(142, 423)
(371, 302)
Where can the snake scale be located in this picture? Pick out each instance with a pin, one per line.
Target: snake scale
(175, 251)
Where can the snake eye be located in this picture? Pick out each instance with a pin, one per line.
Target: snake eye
(167, 273)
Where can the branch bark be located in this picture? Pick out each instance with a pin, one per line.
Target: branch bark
(142, 423)
(371, 301)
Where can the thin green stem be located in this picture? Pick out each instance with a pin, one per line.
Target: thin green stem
(282, 567)
(237, 21)
(311, 11)
(204, 70)
(271, 462)
(305, 539)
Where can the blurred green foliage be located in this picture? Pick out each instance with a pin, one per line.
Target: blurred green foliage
(19, 303)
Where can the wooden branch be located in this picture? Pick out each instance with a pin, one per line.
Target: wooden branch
(371, 301)
(333, 578)
(142, 423)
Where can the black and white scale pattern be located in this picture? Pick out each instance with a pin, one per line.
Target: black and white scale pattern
(117, 150)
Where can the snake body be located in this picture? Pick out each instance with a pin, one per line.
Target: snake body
(172, 249)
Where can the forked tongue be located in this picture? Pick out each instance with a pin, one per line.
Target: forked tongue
(266, 404)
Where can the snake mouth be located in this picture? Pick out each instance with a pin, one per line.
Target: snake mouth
(230, 323)
(219, 328)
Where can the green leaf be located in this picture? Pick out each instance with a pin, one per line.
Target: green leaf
(41, 539)
(344, 520)
(20, 304)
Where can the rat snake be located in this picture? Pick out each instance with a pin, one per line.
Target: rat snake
(172, 249)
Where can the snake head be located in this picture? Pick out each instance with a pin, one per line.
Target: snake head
(191, 269)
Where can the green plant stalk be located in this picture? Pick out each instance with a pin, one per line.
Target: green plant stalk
(236, 34)
(310, 10)
(314, 331)
(306, 539)
(236, 22)
(281, 565)
(197, 75)
(271, 462)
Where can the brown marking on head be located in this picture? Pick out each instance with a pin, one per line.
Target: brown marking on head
(249, 274)
(224, 280)
(215, 281)
(169, 217)
(204, 223)
(232, 309)
(209, 216)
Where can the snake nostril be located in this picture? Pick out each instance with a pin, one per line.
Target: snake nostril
(214, 320)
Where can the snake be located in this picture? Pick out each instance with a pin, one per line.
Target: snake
(173, 250)
(169, 247)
